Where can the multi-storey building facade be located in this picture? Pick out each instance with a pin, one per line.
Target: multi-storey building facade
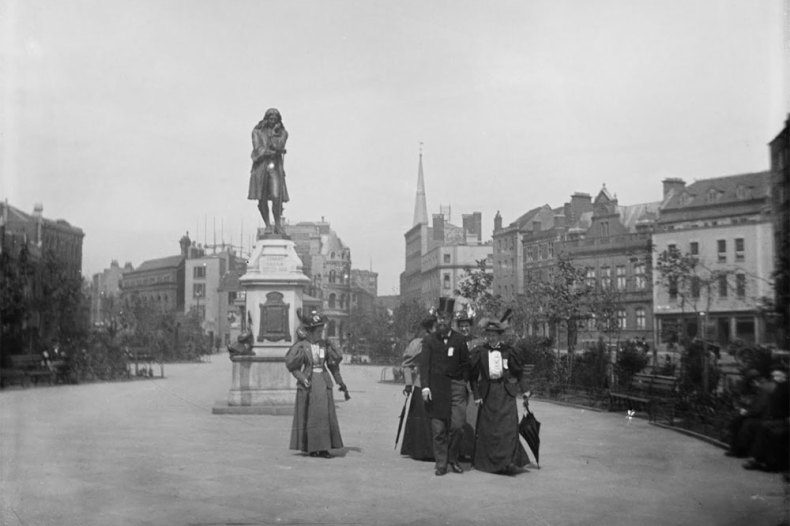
(725, 224)
(160, 283)
(411, 278)
(41, 236)
(231, 304)
(609, 242)
(202, 278)
(438, 256)
(365, 279)
(508, 251)
(615, 253)
(452, 252)
(780, 196)
(327, 262)
(42, 240)
(106, 292)
(549, 227)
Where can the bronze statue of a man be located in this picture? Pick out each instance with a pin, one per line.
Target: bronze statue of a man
(267, 177)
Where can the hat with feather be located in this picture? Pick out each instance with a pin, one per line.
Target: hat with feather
(312, 320)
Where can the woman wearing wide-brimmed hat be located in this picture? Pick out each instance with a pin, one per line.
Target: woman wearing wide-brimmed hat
(497, 380)
(314, 362)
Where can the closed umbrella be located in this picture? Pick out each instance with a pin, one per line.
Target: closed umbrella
(529, 428)
(402, 415)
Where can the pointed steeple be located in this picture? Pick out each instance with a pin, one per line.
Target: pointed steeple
(420, 206)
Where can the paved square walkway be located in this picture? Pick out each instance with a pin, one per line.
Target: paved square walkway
(150, 452)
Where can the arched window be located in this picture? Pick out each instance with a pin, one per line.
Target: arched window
(331, 276)
(332, 301)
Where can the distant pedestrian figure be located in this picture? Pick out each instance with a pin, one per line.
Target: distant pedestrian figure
(315, 428)
(497, 380)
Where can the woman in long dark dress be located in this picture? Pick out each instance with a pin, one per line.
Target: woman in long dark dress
(315, 429)
(417, 435)
(497, 381)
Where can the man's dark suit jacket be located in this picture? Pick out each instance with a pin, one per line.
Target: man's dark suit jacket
(438, 369)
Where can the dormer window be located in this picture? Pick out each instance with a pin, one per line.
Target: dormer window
(743, 192)
(685, 199)
(713, 195)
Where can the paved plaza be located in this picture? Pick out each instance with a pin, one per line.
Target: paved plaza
(150, 452)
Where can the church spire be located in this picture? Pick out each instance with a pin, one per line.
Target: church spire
(420, 206)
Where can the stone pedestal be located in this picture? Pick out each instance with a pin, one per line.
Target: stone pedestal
(273, 287)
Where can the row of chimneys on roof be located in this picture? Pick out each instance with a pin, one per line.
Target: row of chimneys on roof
(582, 202)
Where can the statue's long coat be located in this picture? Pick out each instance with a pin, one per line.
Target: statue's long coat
(268, 148)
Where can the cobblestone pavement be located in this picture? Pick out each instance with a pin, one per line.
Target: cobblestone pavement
(150, 452)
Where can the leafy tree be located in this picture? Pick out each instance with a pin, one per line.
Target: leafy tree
(561, 299)
(369, 331)
(630, 360)
(537, 350)
(167, 334)
(16, 274)
(405, 323)
(696, 370)
(591, 370)
(62, 303)
(475, 287)
(527, 311)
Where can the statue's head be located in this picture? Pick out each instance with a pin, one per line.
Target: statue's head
(272, 116)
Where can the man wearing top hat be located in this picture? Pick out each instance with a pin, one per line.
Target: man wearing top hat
(444, 372)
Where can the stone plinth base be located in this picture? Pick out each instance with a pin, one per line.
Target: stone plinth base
(260, 385)
(222, 408)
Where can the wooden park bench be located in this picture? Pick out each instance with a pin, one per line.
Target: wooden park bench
(142, 356)
(644, 393)
(27, 367)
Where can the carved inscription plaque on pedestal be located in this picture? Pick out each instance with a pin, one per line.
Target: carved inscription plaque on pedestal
(274, 319)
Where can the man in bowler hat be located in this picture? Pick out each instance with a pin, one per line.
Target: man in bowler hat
(444, 372)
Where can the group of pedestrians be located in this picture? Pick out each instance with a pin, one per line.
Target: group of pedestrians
(464, 392)
(761, 430)
(448, 370)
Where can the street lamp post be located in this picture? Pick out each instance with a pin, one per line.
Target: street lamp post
(705, 364)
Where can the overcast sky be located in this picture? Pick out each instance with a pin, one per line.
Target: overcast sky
(132, 119)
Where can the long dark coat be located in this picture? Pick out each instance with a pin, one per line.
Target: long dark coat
(315, 426)
(497, 443)
(417, 435)
(268, 148)
(444, 358)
